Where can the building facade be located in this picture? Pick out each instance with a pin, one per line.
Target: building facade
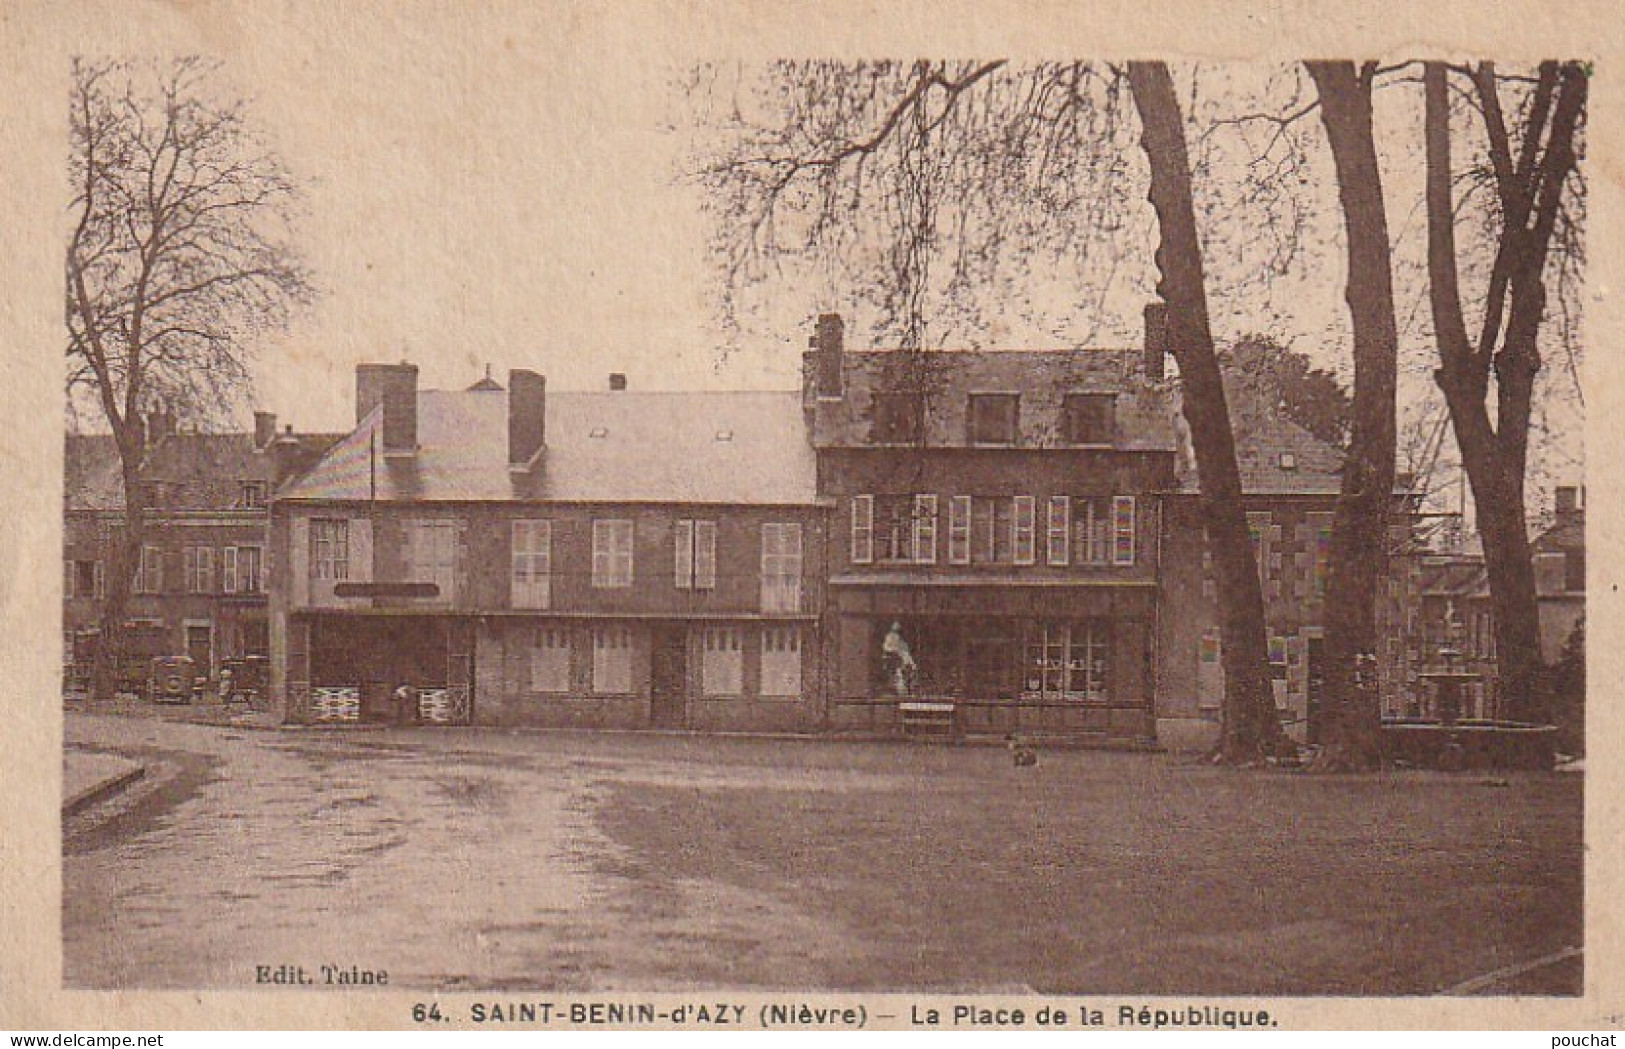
(514, 556)
(200, 588)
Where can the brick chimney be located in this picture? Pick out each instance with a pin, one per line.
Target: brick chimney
(395, 387)
(1156, 340)
(527, 416)
(285, 454)
(828, 345)
(264, 429)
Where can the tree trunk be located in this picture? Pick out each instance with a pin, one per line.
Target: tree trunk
(120, 579)
(1359, 548)
(1495, 454)
(1252, 728)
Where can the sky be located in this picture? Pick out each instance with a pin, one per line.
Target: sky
(508, 192)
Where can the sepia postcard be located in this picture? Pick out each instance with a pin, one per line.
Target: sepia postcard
(985, 516)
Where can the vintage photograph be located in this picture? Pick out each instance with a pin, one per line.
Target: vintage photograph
(983, 526)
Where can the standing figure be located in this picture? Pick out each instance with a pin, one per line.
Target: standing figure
(897, 661)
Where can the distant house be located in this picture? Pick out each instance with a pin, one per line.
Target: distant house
(200, 587)
(523, 556)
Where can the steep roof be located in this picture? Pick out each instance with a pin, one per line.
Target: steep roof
(1266, 442)
(620, 446)
(199, 471)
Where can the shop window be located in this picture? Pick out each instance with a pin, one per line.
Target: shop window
(992, 417)
(899, 418)
(612, 553)
(1068, 661)
(696, 555)
(612, 660)
(781, 567)
(722, 664)
(781, 661)
(550, 660)
(1090, 418)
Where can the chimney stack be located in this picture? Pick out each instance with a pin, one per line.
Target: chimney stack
(1568, 501)
(828, 352)
(527, 417)
(1156, 340)
(617, 381)
(264, 429)
(285, 455)
(394, 387)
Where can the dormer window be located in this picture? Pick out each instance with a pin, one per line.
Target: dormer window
(1090, 418)
(899, 418)
(993, 418)
(1289, 461)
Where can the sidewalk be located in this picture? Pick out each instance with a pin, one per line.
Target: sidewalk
(89, 777)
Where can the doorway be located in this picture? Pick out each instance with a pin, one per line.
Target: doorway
(1316, 686)
(200, 647)
(668, 676)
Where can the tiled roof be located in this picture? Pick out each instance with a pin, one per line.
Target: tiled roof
(199, 471)
(620, 446)
(1266, 441)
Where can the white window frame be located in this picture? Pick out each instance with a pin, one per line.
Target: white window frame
(228, 570)
(612, 553)
(1124, 525)
(549, 670)
(608, 679)
(925, 529)
(959, 524)
(330, 553)
(863, 529)
(1060, 530)
(1023, 530)
(437, 565)
(722, 661)
(780, 669)
(530, 571)
(251, 580)
(695, 555)
(150, 576)
(782, 566)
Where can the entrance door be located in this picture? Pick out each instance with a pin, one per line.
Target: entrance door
(200, 646)
(668, 673)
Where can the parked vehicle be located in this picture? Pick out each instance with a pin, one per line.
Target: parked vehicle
(243, 680)
(174, 679)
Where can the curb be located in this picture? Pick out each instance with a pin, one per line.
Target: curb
(99, 791)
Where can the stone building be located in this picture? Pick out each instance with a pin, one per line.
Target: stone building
(526, 556)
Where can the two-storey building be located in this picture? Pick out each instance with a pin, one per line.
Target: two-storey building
(521, 556)
(996, 533)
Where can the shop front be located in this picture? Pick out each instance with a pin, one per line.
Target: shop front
(1071, 661)
(380, 668)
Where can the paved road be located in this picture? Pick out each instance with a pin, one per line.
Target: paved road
(480, 860)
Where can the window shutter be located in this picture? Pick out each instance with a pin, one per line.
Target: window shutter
(959, 529)
(1123, 529)
(925, 529)
(100, 581)
(1060, 529)
(600, 553)
(863, 529)
(705, 555)
(684, 554)
(1022, 524)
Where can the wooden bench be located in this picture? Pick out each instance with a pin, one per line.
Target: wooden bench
(926, 717)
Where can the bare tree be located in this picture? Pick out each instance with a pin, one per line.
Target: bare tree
(177, 258)
(1252, 728)
(1534, 166)
(1352, 710)
(958, 169)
